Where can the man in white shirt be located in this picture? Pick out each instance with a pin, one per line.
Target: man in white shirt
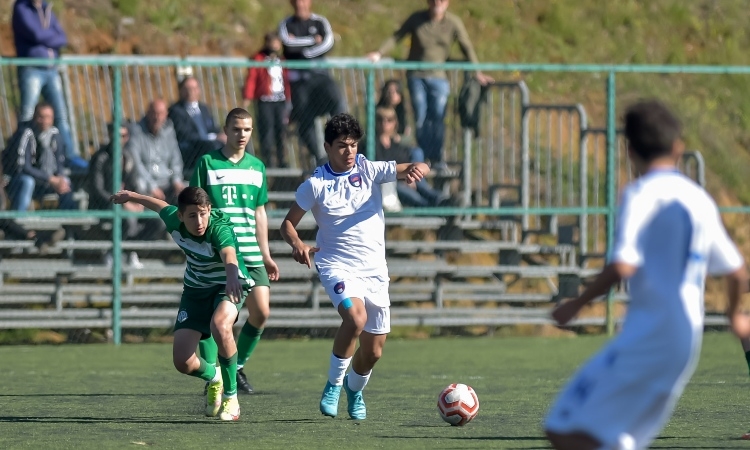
(669, 237)
(345, 198)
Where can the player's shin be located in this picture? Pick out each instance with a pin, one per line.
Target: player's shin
(205, 371)
(229, 374)
(246, 343)
(209, 350)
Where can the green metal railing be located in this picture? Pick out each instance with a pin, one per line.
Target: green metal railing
(117, 64)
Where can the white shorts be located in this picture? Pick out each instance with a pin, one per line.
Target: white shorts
(622, 397)
(373, 291)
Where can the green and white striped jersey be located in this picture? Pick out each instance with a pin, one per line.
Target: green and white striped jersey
(204, 266)
(236, 189)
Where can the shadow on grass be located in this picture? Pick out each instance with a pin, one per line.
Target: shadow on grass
(472, 438)
(113, 420)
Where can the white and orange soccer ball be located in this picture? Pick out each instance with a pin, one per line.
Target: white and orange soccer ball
(458, 404)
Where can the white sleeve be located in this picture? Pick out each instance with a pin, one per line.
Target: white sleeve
(723, 257)
(289, 41)
(379, 171)
(631, 220)
(325, 46)
(305, 196)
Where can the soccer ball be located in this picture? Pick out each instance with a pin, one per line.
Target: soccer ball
(458, 404)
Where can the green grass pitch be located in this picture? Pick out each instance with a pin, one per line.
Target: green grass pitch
(101, 397)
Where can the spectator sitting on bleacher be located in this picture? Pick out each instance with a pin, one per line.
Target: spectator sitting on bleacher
(157, 154)
(35, 160)
(392, 96)
(390, 147)
(196, 130)
(99, 188)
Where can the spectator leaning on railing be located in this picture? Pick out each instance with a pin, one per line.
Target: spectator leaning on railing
(433, 31)
(37, 34)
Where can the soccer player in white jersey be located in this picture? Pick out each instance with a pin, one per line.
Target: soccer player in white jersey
(345, 199)
(669, 237)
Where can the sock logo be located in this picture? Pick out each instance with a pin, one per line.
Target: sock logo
(182, 316)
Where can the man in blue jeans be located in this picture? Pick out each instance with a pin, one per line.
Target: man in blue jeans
(433, 31)
(37, 34)
(35, 161)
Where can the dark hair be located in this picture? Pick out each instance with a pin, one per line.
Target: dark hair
(42, 105)
(271, 35)
(182, 82)
(384, 92)
(192, 195)
(237, 113)
(651, 129)
(343, 126)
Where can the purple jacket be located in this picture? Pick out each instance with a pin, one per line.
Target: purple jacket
(36, 32)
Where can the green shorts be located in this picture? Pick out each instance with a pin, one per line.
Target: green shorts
(197, 306)
(259, 275)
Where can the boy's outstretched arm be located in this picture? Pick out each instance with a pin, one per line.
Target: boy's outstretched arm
(611, 275)
(232, 267)
(411, 172)
(154, 204)
(300, 250)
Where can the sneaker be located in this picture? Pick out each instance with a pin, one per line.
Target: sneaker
(134, 261)
(242, 384)
(356, 407)
(329, 403)
(213, 398)
(230, 409)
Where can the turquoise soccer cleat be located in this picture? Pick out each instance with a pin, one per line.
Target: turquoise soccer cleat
(329, 403)
(356, 408)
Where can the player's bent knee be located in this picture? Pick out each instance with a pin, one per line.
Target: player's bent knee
(181, 365)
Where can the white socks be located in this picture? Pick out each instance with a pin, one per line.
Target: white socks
(337, 369)
(356, 381)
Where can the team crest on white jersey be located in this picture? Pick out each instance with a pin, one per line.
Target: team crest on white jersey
(355, 180)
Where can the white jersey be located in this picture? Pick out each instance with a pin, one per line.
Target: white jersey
(670, 229)
(348, 208)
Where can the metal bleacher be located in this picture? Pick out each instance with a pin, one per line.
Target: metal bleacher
(446, 270)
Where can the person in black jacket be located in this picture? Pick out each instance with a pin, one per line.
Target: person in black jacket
(308, 36)
(197, 131)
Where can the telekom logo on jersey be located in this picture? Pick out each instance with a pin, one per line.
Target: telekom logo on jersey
(229, 193)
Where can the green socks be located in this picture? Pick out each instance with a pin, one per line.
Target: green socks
(209, 350)
(229, 374)
(246, 343)
(747, 358)
(206, 372)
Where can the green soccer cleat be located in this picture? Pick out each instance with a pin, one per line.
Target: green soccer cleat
(230, 409)
(329, 403)
(213, 398)
(356, 404)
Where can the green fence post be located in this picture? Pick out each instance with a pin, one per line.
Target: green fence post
(117, 219)
(611, 189)
(370, 107)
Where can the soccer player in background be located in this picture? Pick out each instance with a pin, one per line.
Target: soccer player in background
(669, 237)
(215, 285)
(236, 184)
(345, 199)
